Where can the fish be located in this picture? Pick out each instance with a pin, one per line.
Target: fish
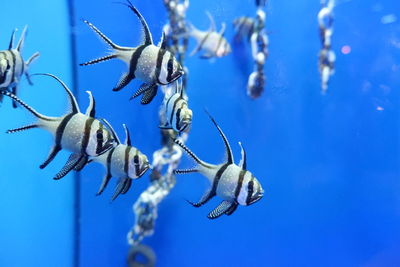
(178, 114)
(326, 67)
(244, 27)
(79, 133)
(154, 65)
(233, 183)
(13, 66)
(325, 21)
(256, 84)
(213, 43)
(124, 162)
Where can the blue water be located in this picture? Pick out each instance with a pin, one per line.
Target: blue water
(329, 164)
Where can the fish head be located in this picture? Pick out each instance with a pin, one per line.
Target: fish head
(100, 139)
(251, 191)
(139, 164)
(185, 122)
(171, 69)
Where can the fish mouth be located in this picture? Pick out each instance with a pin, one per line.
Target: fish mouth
(145, 168)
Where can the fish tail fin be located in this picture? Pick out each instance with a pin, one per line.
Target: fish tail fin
(26, 106)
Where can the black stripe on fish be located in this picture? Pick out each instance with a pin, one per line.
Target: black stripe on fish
(13, 66)
(58, 138)
(136, 162)
(170, 68)
(5, 74)
(218, 176)
(178, 118)
(100, 139)
(126, 164)
(107, 177)
(135, 59)
(240, 183)
(86, 134)
(173, 110)
(250, 190)
(203, 41)
(219, 44)
(160, 57)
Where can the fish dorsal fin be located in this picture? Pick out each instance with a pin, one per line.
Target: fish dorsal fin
(22, 39)
(226, 142)
(91, 109)
(222, 31)
(243, 161)
(114, 134)
(128, 136)
(148, 39)
(163, 41)
(11, 45)
(212, 22)
(72, 99)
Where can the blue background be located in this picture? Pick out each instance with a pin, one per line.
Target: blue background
(329, 164)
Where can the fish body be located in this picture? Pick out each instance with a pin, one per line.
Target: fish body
(211, 42)
(79, 133)
(233, 183)
(13, 66)
(154, 65)
(124, 162)
(178, 114)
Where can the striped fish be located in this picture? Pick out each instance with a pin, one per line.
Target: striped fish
(79, 133)
(178, 114)
(12, 66)
(234, 184)
(244, 28)
(122, 161)
(213, 43)
(154, 65)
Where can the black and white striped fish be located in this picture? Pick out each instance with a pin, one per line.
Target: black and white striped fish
(244, 28)
(13, 66)
(234, 184)
(124, 162)
(79, 133)
(154, 65)
(213, 43)
(178, 114)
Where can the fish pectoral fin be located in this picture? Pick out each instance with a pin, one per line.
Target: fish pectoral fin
(204, 199)
(53, 153)
(123, 81)
(222, 208)
(123, 184)
(82, 163)
(72, 162)
(231, 209)
(104, 183)
(149, 95)
(14, 91)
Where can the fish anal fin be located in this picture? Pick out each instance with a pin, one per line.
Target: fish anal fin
(127, 186)
(121, 186)
(222, 208)
(149, 95)
(143, 88)
(125, 79)
(72, 162)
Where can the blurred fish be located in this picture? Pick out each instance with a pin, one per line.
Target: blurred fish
(12, 66)
(326, 66)
(211, 42)
(178, 114)
(235, 184)
(256, 84)
(79, 133)
(122, 161)
(154, 65)
(244, 28)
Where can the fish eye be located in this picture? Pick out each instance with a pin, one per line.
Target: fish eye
(99, 135)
